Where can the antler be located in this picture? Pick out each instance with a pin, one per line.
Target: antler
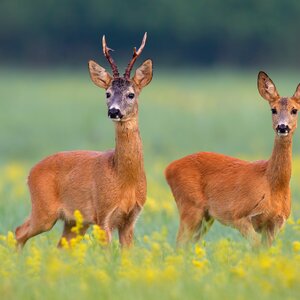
(136, 54)
(109, 58)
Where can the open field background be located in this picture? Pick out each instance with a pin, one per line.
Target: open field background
(43, 112)
(203, 97)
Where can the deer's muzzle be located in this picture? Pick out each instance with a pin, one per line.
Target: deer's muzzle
(283, 130)
(115, 113)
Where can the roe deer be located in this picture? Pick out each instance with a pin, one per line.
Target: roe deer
(253, 197)
(108, 188)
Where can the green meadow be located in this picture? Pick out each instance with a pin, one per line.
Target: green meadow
(180, 112)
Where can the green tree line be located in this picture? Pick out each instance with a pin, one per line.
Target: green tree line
(207, 32)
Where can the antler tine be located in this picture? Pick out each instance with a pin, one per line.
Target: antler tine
(109, 58)
(136, 54)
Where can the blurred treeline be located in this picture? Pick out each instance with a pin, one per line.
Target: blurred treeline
(206, 32)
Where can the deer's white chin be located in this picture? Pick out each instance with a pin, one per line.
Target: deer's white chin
(123, 120)
(282, 134)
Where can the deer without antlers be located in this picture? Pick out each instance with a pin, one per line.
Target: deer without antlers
(253, 197)
(108, 188)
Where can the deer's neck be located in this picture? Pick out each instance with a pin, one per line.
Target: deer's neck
(128, 158)
(280, 164)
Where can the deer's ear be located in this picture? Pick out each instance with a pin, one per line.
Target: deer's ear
(99, 75)
(266, 87)
(296, 95)
(143, 74)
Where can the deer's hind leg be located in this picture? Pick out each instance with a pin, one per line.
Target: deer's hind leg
(186, 184)
(44, 213)
(194, 218)
(193, 223)
(37, 223)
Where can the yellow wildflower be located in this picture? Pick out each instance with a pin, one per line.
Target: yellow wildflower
(152, 205)
(79, 222)
(34, 261)
(100, 235)
(200, 252)
(238, 271)
(75, 241)
(290, 221)
(80, 252)
(265, 262)
(199, 264)
(170, 273)
(14, 172)
(9, 239)
(64, 243)
(296, 246)
(102, 276)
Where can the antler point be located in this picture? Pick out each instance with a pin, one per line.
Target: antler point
(109, 58)
(136, 54)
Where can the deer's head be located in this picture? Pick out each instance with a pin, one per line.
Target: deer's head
(284, 109)
(122, 92)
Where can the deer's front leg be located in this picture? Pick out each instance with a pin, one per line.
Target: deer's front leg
(271, 230)
(126, 235)
(268, 236)
(126, 229)
(245, 227)
(108, 232)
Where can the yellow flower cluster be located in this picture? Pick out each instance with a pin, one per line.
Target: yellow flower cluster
(100, 235)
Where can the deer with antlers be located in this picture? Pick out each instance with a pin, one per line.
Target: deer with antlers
(253, 197)
(108, 188)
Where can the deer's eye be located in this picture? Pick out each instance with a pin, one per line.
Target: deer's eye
(274, 111)
(108, 95)
(294, 111)
(131, 95)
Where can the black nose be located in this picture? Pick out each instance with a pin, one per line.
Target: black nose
(114, 113)
(282, 128)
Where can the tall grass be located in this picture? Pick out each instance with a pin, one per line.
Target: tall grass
(44, 111)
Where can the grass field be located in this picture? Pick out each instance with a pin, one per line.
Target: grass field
(43, 112)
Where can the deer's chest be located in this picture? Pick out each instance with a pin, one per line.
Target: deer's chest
(117, 217)
(274, 210)
(118, 197)
(128, 199)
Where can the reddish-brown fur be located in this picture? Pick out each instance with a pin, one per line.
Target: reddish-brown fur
(108, 188)
(253, 197)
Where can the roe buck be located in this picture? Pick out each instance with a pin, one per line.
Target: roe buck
(108, 188)
(253, 197)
